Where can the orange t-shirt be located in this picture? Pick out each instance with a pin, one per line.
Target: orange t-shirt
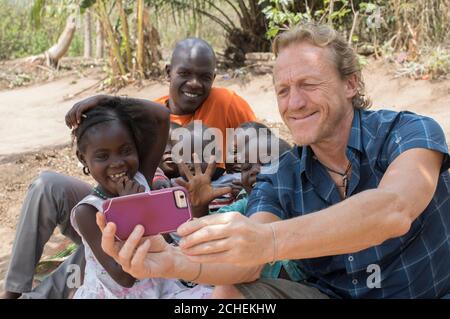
(222, 109)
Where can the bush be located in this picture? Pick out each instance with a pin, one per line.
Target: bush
(18, 38)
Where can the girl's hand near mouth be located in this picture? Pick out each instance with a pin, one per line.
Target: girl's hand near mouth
(127, 186)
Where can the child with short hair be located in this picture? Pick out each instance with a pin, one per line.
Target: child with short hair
(167, 164)
(167, 168)
(116, 144)
(201, 191)
(196, 136)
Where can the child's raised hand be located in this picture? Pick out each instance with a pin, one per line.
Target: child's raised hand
(201, 192)
(128, 186)
(73, 117)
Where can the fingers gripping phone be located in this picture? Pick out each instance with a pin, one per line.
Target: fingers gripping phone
(160, 211)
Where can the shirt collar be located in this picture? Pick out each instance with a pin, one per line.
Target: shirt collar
(354, 140)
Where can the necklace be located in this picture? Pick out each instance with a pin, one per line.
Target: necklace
(344, 175)
(99, 193)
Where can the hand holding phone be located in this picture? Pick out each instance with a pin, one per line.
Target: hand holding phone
(160, 211)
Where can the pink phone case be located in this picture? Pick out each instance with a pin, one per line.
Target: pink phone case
(157, 211)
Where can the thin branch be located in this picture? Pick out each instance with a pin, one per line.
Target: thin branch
(355, 17)
(330, 21)
(234, 8)
(211, 3)
(185, 5)
(253, 9)
(246, 15)
(217, 20)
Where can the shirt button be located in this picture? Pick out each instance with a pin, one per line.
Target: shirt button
(350, 258)
(355, 281)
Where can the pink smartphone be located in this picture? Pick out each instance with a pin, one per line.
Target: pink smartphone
(160, 211)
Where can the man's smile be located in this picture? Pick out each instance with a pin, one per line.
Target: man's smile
(303, 118)
(191, 94)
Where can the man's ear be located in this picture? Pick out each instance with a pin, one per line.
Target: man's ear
(168, 69)
(80, 157)
(351, 85)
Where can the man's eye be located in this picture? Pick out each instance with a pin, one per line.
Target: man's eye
(282, 92)
(309, 86)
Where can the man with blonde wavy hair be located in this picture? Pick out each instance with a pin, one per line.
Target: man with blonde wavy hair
(361, 203)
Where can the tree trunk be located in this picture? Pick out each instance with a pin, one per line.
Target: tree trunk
(87, 35)
(125, 33)
(115, 50)
(140, 37)
(152, 42)
(56, 52)
(99, 47)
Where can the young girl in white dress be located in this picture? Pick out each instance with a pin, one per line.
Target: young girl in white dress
(120, 144)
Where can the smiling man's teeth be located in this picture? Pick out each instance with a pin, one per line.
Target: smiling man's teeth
(190, 94)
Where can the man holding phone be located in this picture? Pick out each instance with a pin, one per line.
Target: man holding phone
(362, 205)
(51, 196)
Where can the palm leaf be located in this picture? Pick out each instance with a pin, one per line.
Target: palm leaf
(36, 12)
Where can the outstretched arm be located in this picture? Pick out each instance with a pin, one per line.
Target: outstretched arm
(364, 220)
(153, 258)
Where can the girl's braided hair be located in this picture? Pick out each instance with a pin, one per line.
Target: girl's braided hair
(117, 109)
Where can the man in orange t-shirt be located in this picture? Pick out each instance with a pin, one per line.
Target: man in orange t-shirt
(191, 73)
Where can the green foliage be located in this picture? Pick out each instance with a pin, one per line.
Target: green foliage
(86, 4)
(283, 14)
(19, 38)
(438, 63)
(280, 17)
(433, 63)
(36, 12)
(385, 27)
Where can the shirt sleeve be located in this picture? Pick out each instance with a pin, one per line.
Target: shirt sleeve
(264, 198)
(237, 206)
(239, 111)
(413, 131)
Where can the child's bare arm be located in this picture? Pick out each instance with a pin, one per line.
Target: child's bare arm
(155, 117)
(86, 221)
(73, 116)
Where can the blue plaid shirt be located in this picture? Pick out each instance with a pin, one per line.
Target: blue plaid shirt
(415, 265)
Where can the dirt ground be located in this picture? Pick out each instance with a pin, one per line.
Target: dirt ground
(32, 121)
